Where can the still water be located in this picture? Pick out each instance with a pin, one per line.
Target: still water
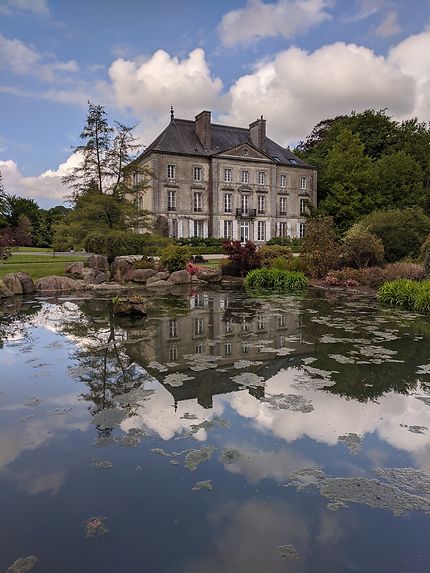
(222, 433)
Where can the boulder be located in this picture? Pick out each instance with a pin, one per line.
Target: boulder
(89, 275)
(142, 275)
(101, 278)
(98, 262)
(4, 291)
(133, 306)
(130, 258)
(121, 270)
(161, 276)
(158, 284)
(105, 287)
(179, 278)
(26, 282)
(58, 284)
(11, 282)
(210, 275)
(75, 270)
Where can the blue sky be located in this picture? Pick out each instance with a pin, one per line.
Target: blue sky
(294, 61)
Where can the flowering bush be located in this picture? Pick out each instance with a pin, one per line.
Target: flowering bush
(191, 269)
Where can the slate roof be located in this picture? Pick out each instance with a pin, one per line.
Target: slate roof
(180, 137)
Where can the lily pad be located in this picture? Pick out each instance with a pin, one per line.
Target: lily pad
(207, 484)
(23, 564)
(95, 526)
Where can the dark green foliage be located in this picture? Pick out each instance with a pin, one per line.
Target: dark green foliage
(402, 231)
(293, 242)
(269, 253)
(275, 280)
(425, 255)
(174, 258)
(408, 294)
(241, 258)
(200, 242)
(362, 249)
(321, 248)
(115, 243)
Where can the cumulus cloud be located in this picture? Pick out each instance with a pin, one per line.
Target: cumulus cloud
(297, 89)
(285, 18)
(39, 7)
(389, 26)
(21, 59)
(46, 186)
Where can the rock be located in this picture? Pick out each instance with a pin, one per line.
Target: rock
(209, 275)
(142, 275)
(4, 291)
(89, 275)
(58, 284)
(97, 262)
(132, 306)
(195, 280)
(130, 258)
(161, 276)
(158, 284)
(75, 270)
(121, 270)
(12, 282)
(101, 278)
(179, 277)
(104, 287)
(26, 282)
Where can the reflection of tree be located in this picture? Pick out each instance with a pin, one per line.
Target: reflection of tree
(14, 318)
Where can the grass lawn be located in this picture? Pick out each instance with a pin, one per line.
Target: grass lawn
(211, 263)
(36, 266)
(31, 250)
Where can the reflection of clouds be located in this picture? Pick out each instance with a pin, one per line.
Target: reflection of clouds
(333, 415)
(35, 482)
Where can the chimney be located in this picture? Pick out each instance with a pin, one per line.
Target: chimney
(203, 128)
(257, 133)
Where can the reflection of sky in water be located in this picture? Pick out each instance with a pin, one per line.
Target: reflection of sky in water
(329, 368)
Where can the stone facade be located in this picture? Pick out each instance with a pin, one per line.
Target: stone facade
(210, 180)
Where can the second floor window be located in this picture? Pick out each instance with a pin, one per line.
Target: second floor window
(171, 171)
(261, 204)
(173, 328)
(198, 326)
(228, 202)
(244, 203)
(303, 183)
(198, 202)
(171, 200)
(283, 205)
(197, 173)
(261, 178)
(283, 181)
(227, 175)
(136, 178)
(244, 176)
(303, 204)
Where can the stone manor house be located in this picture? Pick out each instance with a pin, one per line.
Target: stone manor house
(211, 180)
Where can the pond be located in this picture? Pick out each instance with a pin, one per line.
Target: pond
(221, 433)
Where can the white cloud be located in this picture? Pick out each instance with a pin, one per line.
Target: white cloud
(39, 7)
(285, 18)
(365, 9)
(389, 26)
(21, 59)
(46, 186)
(297, 89)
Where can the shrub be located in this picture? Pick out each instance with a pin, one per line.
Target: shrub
(362, 249)
(297, 264)
(414, 295)
(174, 258)
(116, 243)
(206, 250)
(145, 263)
(241, 258)
(280, 263)
(269, 253)
(285, 241)
(321, 249)
(199, 259)
(425, 255)
(275, 280)
(402, 231)
(200, 242)
(375, 276)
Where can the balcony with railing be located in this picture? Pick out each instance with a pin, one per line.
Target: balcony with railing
(246, 213)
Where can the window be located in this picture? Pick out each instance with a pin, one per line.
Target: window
(283, 181)
(303, 182)
(227, 202)
(197, 202)
(227, 349)
(198, 326)
(197, 173)
(261, 230)
(171, 171)
(227, 175)
(244, 203)
(283, 205)
(244, 176)
(283, 229)
(198, 229)
(171, 200)
(228, 229)
(198, 349)
(261, 178)
(301, 230)
(293, 161)
(136, 178)
(174, 229)
(244, 231)
(199, 301)
(261, 204)
(282, 321)
(260, 323)
(173, 353)
(228, 327)
(244, 326)
(303, 205)
(245, 347)
(173, 329)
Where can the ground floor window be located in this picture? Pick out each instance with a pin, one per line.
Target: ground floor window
(301, 230)
(198, 229)
(261, 230)
(244, 231)
(228, 230)
(174, 229)
(283, 229)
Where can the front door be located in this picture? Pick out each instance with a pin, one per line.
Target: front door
(244, 231)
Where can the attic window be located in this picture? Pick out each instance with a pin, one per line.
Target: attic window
(275, 158)
(293, 161)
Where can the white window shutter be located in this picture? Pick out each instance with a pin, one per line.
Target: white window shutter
(191, 228)
(180, 231)
(298, 230)
(169, 223)
(268, 228)
(255, 231)
(205, 229)
(235, 230)
(289, 230)
(278, 229)
(221, 229)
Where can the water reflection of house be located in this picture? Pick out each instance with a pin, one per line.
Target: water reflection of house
(222, 326)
